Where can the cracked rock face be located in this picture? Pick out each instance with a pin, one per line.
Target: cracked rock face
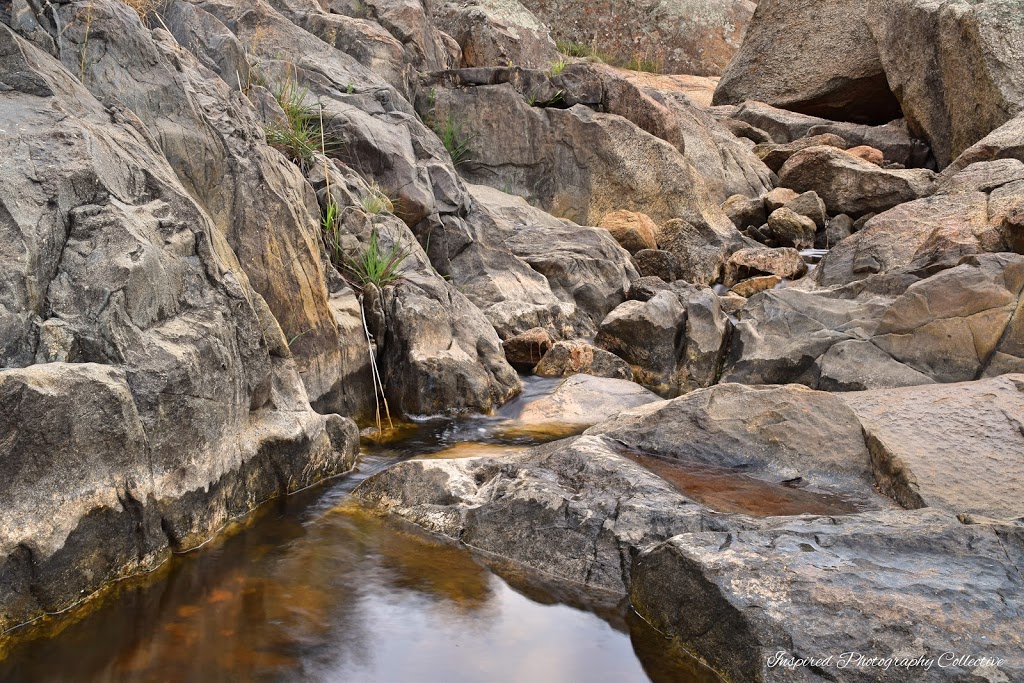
(881, 585)
(149, 393)
(575, 509)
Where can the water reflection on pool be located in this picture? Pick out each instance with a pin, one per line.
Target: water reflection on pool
(315, 589)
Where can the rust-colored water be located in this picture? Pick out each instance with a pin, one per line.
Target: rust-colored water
(726, 490)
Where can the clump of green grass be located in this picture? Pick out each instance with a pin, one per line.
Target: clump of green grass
(300, 136)
(637, 63)
(376, 265)
(558, 67)
(573, 49)
(376, 201)
(454, 140)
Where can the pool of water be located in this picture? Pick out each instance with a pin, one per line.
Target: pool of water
(316, 589)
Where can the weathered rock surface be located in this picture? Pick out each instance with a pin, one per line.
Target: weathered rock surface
(849, 61)
(496, 33)
(165, 400)
(574, 509)
(790, 229)
(850, 185)
(634, 231)
(688, 37)
(649, 335)
(581, 401)
(815, 58)
(577, 163)
(742, 598)
(774, 433)
(577, 356)
(956, 447)
(525, 268)
(958, 325)
(973, 212)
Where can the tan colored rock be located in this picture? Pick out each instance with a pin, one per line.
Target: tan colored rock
(578, 357)
(748, 288)
(633, 230)
(753, 262)
(850, 185)
(956, 447)
(790, 229)
(869, 154)
(778, 198)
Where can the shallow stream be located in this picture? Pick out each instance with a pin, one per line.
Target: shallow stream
(315, 589)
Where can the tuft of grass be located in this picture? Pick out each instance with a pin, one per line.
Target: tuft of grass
(376, 201)
(300, 137)
(144, 8)
(638, 63)
(573, 49)
(453, 140)
(558, 67)
(376, 265)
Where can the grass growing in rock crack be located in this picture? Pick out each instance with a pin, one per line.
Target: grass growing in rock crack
(376, 201)
(558, 67)
(300, 136)
(375, 264)
(453, 140)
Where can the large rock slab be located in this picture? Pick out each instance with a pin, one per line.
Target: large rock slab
(956, 447)
(774, 433)
(903, 589)
(849, 60)
(685, 37)
(579, 402)
(575, 510)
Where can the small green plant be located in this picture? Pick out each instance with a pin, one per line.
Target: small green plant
(300, 137)
(573, 49)
(351, 89)
(376, 201)
(558, 67)
(453, 140)
(638, 63)
(376, 265)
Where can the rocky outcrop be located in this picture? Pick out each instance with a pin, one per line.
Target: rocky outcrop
(979, 435)
(848, 184)
(753, 602)
(575, 163)
(848, 61)
(495, 33)
(149, 393)
(687, 37)
(958, 325)
(975, 211)
(575, 509)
